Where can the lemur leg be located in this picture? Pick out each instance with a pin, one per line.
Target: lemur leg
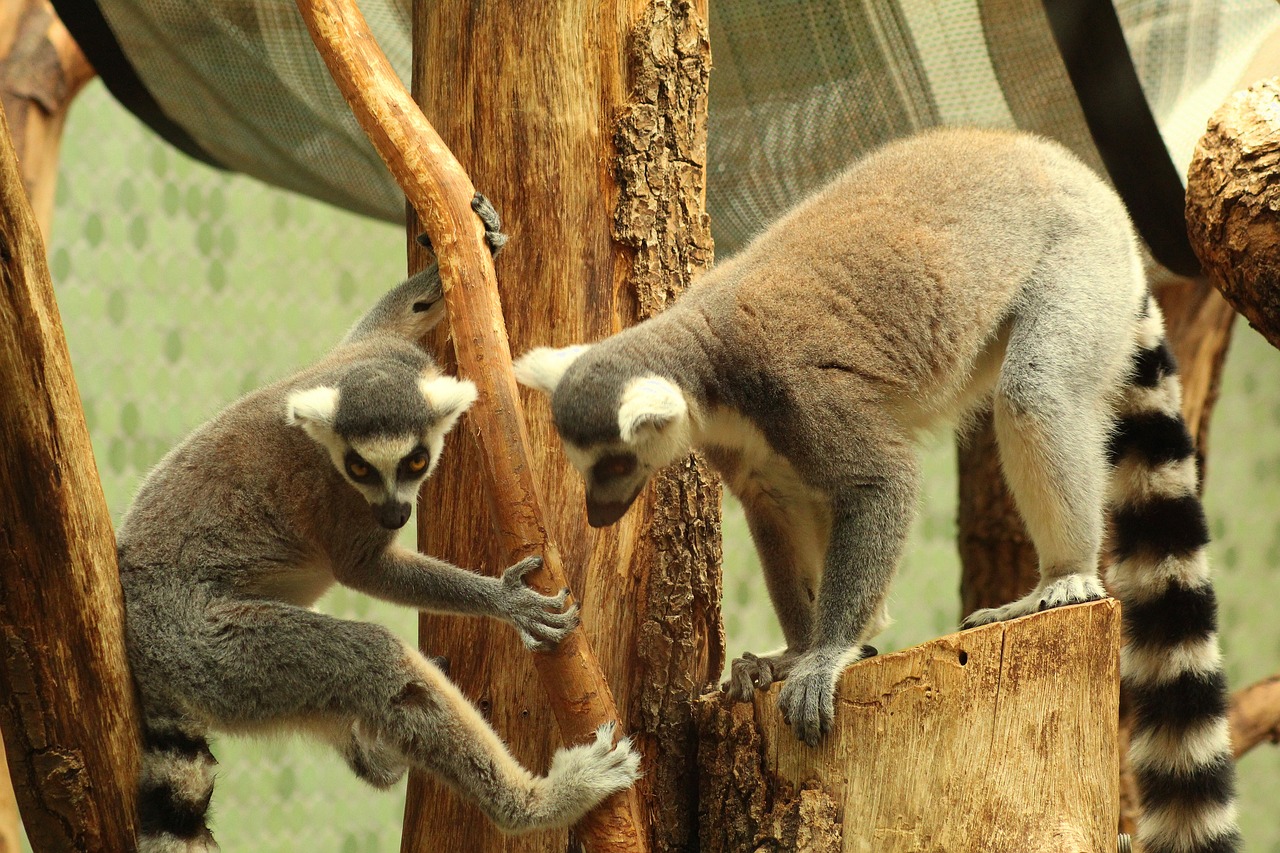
(1053, 412)
(792, 586)
(266, 665)
(870, 516)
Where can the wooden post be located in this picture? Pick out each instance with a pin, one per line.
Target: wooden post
(585, 123)
(561, 131)
(66, 702)
(1001, 740)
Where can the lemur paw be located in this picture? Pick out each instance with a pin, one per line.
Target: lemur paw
(750, 673)
(492, 222)
(541, 620)
(1069, 589)
(808, 698)
(484, 209)
(595, 770)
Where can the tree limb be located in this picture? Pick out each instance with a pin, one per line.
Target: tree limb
(441, 192)
(1233, 204)
(66, 702)
(1255, 715)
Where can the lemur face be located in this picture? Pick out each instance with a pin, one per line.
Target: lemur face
(613, 475)
(634, 425)
(386, 467)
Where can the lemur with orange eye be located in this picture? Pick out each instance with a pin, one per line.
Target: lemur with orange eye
(244, 525)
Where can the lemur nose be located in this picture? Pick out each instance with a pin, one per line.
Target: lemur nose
(392, 515)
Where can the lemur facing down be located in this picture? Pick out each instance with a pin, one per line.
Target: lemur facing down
(940, 272)
(248, 521)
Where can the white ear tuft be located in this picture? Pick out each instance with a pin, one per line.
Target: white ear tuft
(543, 368)
(448, 398)
(650, 402)
(311, 407)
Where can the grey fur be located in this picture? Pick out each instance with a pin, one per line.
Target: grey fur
(957, 267)
(241, 527)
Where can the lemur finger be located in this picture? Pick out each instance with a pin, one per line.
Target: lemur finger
(515, 575)
(492, 222)
(567, 620)
(492, 226)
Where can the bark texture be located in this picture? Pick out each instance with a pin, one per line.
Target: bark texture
(585, 124)
(1233, 204)
(66, 702)
(999, 739)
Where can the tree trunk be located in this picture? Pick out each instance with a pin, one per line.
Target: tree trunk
(70, 726)
(999, 739)
(585, 124)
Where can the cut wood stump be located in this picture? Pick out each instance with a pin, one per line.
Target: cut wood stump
(1002, 739)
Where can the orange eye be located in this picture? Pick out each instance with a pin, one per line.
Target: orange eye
(358, 469)
(417, 464)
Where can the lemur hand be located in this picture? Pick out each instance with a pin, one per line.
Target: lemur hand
(541, 619)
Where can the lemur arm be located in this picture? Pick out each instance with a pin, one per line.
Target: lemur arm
(427, 583)
(869, 527)
(416, 305)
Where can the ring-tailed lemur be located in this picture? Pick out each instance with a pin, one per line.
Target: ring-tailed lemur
(248, 521)
(939, 272)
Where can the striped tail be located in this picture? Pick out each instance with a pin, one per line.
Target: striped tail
(1170, 665)
(174, 790)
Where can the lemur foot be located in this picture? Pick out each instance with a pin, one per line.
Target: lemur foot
(492, 225)
(1069, 589)
(807, 699)
(581, 776)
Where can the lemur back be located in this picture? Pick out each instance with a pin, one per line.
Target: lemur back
(940, 273)
(240, 528)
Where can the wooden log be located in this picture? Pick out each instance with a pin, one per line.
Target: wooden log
(1233, 204)
(599, 176)
(1002, 738)
(1255, 715)
(67, 706)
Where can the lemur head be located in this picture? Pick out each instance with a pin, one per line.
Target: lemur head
(619, 425)
(383, 425)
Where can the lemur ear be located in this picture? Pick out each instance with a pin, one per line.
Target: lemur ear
(544, 367)
(448, 398)
(312, 408)
(650, 402)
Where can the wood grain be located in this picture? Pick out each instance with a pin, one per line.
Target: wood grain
(1002, 738)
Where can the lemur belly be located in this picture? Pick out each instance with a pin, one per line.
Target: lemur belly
(759, 477)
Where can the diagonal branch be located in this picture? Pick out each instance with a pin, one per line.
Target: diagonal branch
(441, 193)
(1255, 715)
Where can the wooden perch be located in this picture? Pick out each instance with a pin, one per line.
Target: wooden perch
(440, 192)
(1233, 204)
(66, 702)
(1255, 715)
(1000, 739)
